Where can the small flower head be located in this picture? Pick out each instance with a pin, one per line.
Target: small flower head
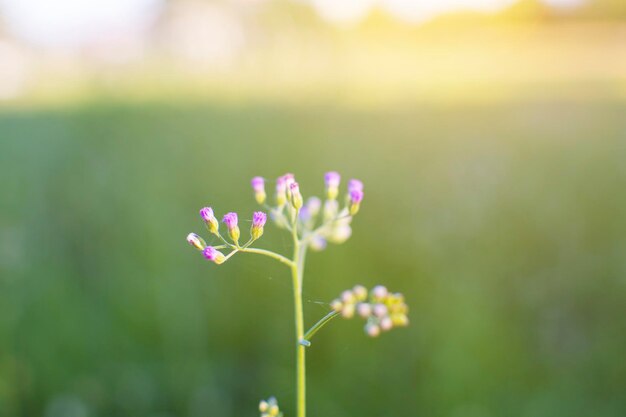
(258, 222)
(340, 234)
(230, 220)
(348, 297)
(332, 180)
(209, 218)
(360, 292)
(310, 210)
(386, 323)
(264, 406)
(318, 243)
(281, 191)
(348, 310)
(296, 197)
(258, 186)
(313, 205)
(372, 329)
(289, 179)
(355, 185)
(258, 219)
(356, 196)
(379, 292)
(380, 310)
(269, 408)
(331, 208)
(213, 255)
(196, 241)
(364, 310)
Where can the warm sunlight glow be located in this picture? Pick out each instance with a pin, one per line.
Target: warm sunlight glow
(75, 22)
(71, 23)
(409, 10)
(420, 10)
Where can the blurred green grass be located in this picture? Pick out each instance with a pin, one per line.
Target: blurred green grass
(502, 223)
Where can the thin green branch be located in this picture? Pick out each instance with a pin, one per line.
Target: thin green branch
(271, 254)
(218, 234)
(306, 339)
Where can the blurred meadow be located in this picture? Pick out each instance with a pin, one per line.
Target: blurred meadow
(491, 141)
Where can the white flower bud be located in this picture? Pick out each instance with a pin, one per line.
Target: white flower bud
(379, 292)
(372, 329)
(364, 310)
(380, 310)
(386, 323)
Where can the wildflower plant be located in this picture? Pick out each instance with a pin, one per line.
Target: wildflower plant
(312, 225)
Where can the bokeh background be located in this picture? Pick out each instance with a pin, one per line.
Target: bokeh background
(490, 134)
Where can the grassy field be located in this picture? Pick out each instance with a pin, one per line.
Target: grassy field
(502, 223)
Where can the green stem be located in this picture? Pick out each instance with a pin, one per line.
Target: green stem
(306, 339)
(219, 235)
(300, 350)
(271, 254)
(296, 276)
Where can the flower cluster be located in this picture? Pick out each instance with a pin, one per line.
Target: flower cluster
(269, 408)
(231, 221)
(382, 310)
(317, 222)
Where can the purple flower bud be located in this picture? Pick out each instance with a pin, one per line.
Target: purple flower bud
(296, 197)
(213, 255)
(355, 185)
(258, 184)
(209, 218)
(196, 241)
(356, 196)
(230, 220)
(207, 214)
(258, 219)
(289, 179)
(332, 179)
(280, 184)
(281, 189)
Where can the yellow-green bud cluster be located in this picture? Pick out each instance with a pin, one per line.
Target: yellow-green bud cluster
(382, 310)
(269, 408)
